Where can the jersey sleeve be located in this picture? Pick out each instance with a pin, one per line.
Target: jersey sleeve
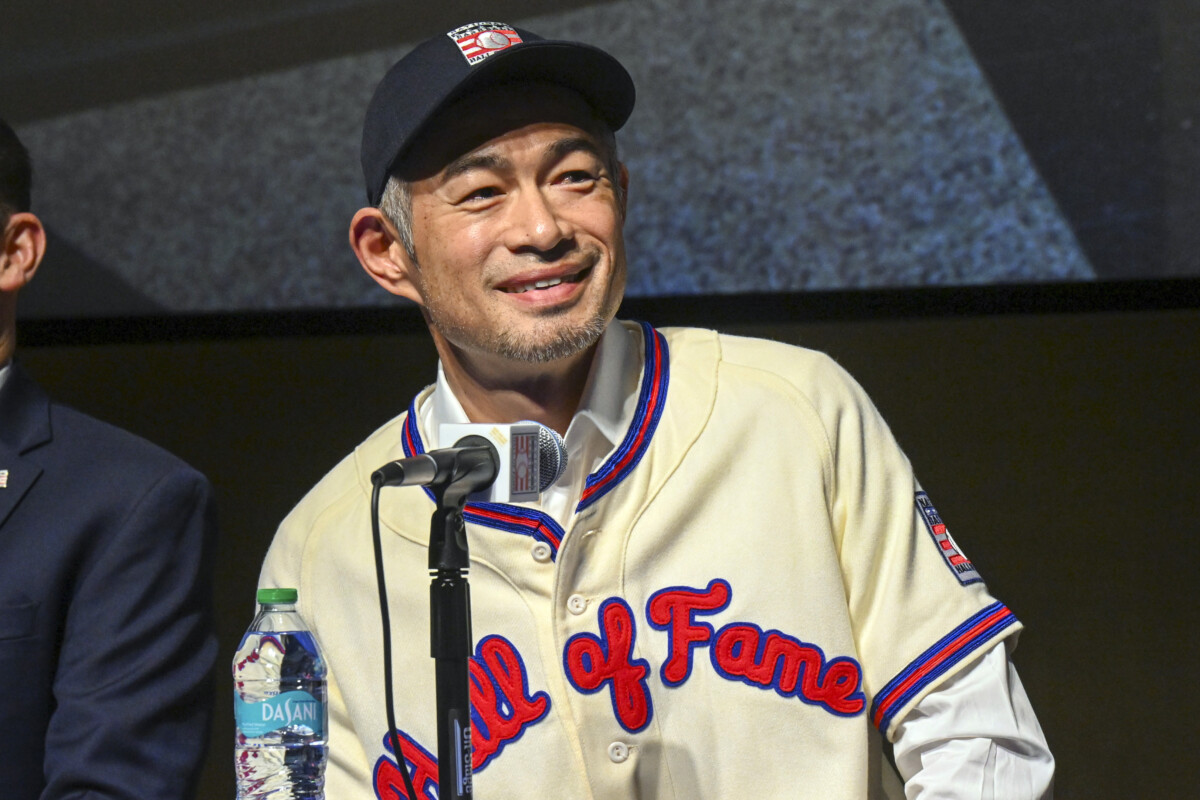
(919, 609)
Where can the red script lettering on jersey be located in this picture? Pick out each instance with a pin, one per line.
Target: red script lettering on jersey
(592, 662)
(744, 652)
(674, 610)
(501, 710)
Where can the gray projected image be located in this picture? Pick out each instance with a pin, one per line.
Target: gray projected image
(775, 146)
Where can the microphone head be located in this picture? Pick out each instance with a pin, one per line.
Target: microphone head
(552, 456)
(532, 457)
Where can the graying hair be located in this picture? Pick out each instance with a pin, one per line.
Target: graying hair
(396, 205)
(396, 201)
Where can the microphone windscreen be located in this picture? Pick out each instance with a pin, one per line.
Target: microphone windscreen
(532, 457)
(552, 457)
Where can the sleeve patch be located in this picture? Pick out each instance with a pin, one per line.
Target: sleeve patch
(958, 563)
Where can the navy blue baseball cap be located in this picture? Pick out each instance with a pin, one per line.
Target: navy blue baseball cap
(446, 67)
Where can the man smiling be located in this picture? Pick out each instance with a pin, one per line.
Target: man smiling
(737, 584)
(518, 217)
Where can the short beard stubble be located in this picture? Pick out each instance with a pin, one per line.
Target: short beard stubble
(528, 348)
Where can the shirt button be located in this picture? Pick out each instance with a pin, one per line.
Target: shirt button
(576, 604)
(541, 552)
(618, 752)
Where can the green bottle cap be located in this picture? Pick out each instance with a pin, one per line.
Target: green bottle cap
(276, 596)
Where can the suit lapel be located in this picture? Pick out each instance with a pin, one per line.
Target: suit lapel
(24, 426)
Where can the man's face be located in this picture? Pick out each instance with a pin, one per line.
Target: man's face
(518, 232)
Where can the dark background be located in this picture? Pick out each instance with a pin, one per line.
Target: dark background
(1055, 426)
(1105, 94)
(1101, 98)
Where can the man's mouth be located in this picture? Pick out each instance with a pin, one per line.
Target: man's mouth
(546, 283)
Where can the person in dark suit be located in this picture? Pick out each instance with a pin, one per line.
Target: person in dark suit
(107, 645)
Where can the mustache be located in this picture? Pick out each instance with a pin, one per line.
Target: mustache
(562, 251)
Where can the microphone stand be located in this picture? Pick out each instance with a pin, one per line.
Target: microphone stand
(450, 613)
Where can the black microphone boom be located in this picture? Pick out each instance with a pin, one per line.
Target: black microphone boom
(530, 456)
(453, 474)
(437, 466)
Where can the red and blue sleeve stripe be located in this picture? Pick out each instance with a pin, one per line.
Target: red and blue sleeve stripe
(969, 637)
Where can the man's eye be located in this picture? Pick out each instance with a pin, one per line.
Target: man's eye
(577, 176)
(482, 193)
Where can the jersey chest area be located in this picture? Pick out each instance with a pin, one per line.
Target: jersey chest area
(668, 650)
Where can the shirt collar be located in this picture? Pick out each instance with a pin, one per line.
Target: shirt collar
(609, 397)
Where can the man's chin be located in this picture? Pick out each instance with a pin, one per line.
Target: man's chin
(534, 349)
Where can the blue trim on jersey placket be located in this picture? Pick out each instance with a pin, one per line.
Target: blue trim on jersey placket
(514, 519)
(652, 399)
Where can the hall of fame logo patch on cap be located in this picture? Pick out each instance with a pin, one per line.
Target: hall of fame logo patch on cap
(479, 40)
(959, 564)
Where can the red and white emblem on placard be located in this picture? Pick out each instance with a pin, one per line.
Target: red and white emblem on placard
(524, 463)
(479, 40)
(959, 564)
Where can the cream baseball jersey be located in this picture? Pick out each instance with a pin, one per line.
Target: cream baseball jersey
(752, 587)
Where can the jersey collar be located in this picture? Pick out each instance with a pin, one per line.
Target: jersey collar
(608, 409)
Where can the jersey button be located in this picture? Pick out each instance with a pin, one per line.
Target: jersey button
(576, 604)
(541, 552)
(618, 752)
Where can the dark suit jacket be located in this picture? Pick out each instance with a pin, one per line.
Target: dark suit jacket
(107, 646)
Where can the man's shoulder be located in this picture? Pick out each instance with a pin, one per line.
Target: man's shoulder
(73, 428)
(756, 373)
(749, 355)
(351, 477)
(336, 506)
(79, 441)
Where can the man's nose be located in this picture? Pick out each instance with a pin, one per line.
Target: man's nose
(536, 223)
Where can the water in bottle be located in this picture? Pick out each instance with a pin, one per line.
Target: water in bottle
(279, 705)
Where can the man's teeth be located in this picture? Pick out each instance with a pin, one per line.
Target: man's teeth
(545, 284)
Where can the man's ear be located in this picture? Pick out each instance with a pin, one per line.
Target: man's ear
(374, 240)
(24, 246)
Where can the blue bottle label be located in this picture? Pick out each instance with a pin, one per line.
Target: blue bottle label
(290, 709)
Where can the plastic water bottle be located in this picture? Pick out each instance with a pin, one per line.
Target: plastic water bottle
(279, 705)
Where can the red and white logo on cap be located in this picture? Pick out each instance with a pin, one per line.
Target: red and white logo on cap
(479, 40)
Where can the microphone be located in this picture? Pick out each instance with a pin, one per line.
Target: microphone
(529, 458)
(441, 466)
(532, 457)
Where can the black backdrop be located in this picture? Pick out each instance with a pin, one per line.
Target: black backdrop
(896, 142)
